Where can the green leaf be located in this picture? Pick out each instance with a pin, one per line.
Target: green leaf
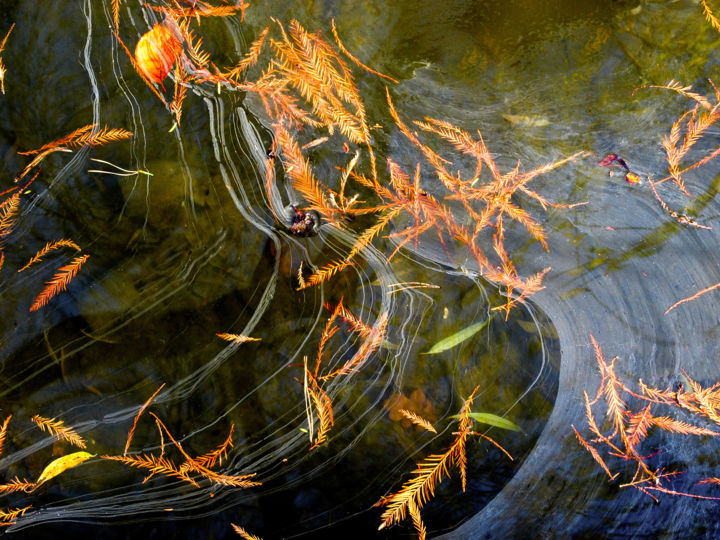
(492, 420)
(457, 338)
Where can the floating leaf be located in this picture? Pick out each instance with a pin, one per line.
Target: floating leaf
(457, 338)
(156, 52)
(492, 420)
(526, 121)
(62, 464)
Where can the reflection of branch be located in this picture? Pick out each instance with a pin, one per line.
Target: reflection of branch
(627, 52)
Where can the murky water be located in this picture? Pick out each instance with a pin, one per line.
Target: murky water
(194, 250)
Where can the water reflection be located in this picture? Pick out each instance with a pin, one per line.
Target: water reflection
(194, 250)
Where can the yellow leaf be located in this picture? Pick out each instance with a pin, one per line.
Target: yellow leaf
(62, 464)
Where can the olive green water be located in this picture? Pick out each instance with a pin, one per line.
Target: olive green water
(193, 250)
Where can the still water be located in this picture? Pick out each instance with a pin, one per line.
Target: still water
(194, 250)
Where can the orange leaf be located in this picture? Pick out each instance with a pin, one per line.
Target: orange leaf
(156, 52)
(59, 282)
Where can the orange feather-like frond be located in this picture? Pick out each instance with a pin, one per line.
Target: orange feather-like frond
(84, 136)
(116, 14)
(325, 273)
(353, 321)
(715, 481)
(594, 427)
(595, 454)
(47, 248)
(236, 338)
(8, 517)
(60, 430)
(242, 532)
(430, 472)
(371, 232)
(3, 432)
(4, 41)
(216, 456)
(677, 426)
(418, 489)
(197, 54)
(353, 58)
(638, 425)
(42, 155)
(8, 212)
(2, 66)
(328, 332)
(137, 417)
(59, 282)
(368, 347)
(414, 512)
(418, 420)
(298, 169)
(16, 485)
(710, 16)
(180, 91)
(201, 466)
(615, 404)
(240, 480)
(323, 407)
(197, 12)
(251, 58)
(676, 86)
(154, 464)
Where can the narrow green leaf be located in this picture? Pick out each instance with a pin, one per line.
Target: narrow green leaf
(492, 420)
(457, 338)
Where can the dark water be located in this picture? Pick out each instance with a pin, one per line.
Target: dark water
(193, 250)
